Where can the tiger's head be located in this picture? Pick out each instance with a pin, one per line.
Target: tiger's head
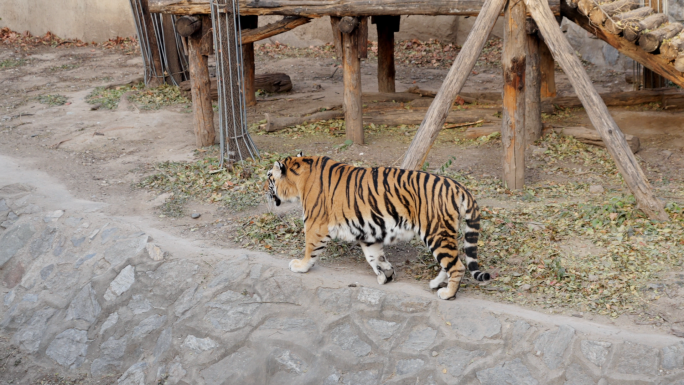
(285, 177)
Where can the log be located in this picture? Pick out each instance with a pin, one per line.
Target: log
(650, 41)
(351, 66)
(533, 122)
(278, 123)
(679, 63)
(618, 22)
(572, 3)
(592, 137)
(670, 49)
(286, 24)
(586, 6)
(597, 111)
(157, 74)
(336, 7)
(247, 23)
(598, 15)
(547, 67)
(468, 97)
(348, 24)
(201, 93)
(387, 26)
(514, 66)
(616, 99)
(656, 63)
(271, 83)
(363, 38)
(416, 116)
(337, 35)
(188, 25)
(634, 29)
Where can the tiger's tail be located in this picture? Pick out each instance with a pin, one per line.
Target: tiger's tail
(472, 235)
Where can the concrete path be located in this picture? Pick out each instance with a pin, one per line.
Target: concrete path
(115, 301)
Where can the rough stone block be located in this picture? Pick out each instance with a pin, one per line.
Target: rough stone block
(366, 377)
(471, 324)
(420, 339)
(406, 304)
(109, 322)
(163, 343)
(575, 375)
(69, 348)
(370, 296)
(139, 304)
(553, 344)
(29, 336)
(456, 359)
(14, 240)
(637, 359)
(230, 370)
(335, 300)
(595, 351)
(404, 367)
(84, 306)
(346, 339)
(199, 345)
(673, 356)
(43, 244)
(289, 361)
(111, 354)
(121, 283)
(382, 329)
(148, 325)
(509, 372)
(290, 324)
(135, 375)
(229, 312)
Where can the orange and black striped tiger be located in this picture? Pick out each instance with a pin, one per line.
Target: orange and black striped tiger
(377, 206)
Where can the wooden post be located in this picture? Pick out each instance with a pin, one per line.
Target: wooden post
(548, 71)
(387, 26)
(171, 48)
(201, 89)
(533, 121)
(337, 36)
(353, 114)
(513, 122)
(155, 81)
(246, 23)
(597, 111)
(460, 69)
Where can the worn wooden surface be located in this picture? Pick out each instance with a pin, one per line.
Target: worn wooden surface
(188, 25)
(336, 7)
(533, 121)
(337, 35)
(656, 63)
(247, 23)
(598, 15)
(513, 61)
(363, 37)
(669, 50)
(597, 111)
(201, 93)
(619, 21)
(353, 118)
(386, 26)
(547, 67)
(272, 29)
(155, 81)
(634, 29)
(452, 84)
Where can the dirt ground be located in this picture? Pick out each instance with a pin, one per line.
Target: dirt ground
(102, 155)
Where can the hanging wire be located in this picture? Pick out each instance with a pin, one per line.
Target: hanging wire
(235, 141)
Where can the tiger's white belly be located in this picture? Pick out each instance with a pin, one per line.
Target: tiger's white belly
(393, 235)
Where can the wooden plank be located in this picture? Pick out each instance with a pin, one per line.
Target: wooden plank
(514, 67)
(336, 7)
(386, 67)
(547, 67)
(656, 63)
(597, 111)
(452, 85)
(201, 93)
(272, 29)
(533, 121)
(363, 38)
(353, 114)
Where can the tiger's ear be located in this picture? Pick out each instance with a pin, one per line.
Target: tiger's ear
(278, 170)
(301, 154)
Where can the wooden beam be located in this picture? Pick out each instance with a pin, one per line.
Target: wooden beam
(533, 121)
(188, 25)
(201, 92)
(337, 36)
(248, 23)
(175, 69)
(514, 67)
(353, 113)
(339, 8)
(286, 24)
(452, 85)
(158, 80)
(598, 112)
(656, 63)
(387, 26)
(547, 67)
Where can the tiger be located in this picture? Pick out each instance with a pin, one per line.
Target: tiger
(380, 206)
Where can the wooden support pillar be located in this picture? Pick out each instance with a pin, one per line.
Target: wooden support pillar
(249, 22)
(533, 121)
(387, 26)
(548, 71)
(170, 45)
(157, 77)
(353, 113)
(513, 122)
(201, 85)
(452, 85)
(598, 113)
(337, 36)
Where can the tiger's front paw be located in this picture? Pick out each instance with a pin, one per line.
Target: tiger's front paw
(445, 293)
(299, 266)
(385, 276)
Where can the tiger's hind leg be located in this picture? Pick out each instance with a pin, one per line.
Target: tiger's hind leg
(452, 267)
(375, 255)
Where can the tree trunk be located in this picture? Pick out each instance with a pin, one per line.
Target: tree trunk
(460, 69)
(618, 22)
(201, 93)
(387, 26)
(188, 25)
(597, 111)
(353, 118)
(533, 121)
(337, 36)
(669, 50)
(650, 41)
(598, 15)
(634, 29)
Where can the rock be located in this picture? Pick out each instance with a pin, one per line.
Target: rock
(525, 287)
(73, 221)
(14, 275)
(509, 372)
(109, 322)
(199, 345)
(155, 252)
(82, 260)
(346, 339)
(111, 353)
(28, 337)
(53, 216)
(135, 375)
(43, 244)
(673, 356)
(472, 324)
(255, 272)
(370, 296)
(171, 278)
(335, 300)
(124, 249)
(30, 298)
(456, 359)
(69, 348)
(84, 306)
(175, 373)
(186, 301)
(553, 344)
(289, 324)
(366, 377)
(595, 351)
(9, 298)
(195, 215)
(596, 189)
(420, 339)
(59, 248)
(76, 242)
(121, 283)
(405, 304)
(434, 353)
(228, 271)
(405, 367)
(107, 234)
(230, 370)
(382, 329)
(46, 271)
(332, 379)
(148, 325)
(289, 361)
(163, 343)
(93, 234)
(575, 375)
(536, 226)
(14, 240)
(228, 313)
(637, 359)
(139, 304)
(281, 288)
